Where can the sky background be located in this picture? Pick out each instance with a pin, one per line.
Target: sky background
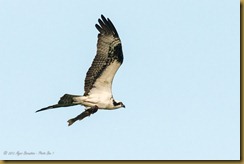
(179, 80)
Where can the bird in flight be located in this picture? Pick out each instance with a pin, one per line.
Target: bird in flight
(99, 77)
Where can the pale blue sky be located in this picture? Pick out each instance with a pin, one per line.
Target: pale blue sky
(179, 80)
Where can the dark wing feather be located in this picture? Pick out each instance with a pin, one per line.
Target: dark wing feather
(108, 49)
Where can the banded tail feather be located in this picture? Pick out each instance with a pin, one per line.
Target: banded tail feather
(65, 101)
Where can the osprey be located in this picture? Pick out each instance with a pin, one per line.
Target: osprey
(99, 77)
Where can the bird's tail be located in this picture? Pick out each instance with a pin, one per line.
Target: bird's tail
(65, 101)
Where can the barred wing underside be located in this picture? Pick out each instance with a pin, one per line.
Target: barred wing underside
(107, 61)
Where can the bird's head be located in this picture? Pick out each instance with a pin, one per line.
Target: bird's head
(118, 104)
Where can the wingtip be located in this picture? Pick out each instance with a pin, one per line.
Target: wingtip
(102, 16)
(106, 26)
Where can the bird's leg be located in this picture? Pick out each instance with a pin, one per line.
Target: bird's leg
(84, 114)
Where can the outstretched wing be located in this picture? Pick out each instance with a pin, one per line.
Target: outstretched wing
(107, 61)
